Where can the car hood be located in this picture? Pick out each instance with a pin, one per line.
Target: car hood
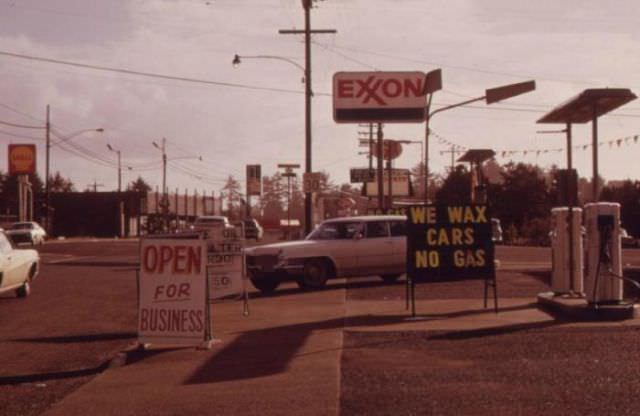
(275, 248)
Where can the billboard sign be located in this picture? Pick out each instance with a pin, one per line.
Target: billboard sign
(449, 242)
(22, 159)
(172, 303)
(360, 175)
(379, 97)
(399, 183)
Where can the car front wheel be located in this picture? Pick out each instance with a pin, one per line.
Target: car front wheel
(266, 284)
(314, 275)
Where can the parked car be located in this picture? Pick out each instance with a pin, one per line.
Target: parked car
(208, 222)
(339, 247)
(18, 267)
(252, 229)
(27, 232)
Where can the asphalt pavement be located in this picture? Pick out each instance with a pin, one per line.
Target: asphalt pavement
(351, 349)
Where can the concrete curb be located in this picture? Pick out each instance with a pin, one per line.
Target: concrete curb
(579, 309)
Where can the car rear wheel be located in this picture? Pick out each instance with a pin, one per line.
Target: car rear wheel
(390, 278)
(314, 275)
(266, 284)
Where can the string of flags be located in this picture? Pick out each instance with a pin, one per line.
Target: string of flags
(629, 140)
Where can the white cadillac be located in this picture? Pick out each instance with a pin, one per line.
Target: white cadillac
(339, 247)
(18, 267)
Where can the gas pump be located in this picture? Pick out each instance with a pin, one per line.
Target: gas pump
(566, 250)
(603, 280)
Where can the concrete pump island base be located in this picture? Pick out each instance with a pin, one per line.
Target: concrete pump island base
(590, 286)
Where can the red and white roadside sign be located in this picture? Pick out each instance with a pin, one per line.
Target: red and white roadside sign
(22, 159)
(379, 97)
(172, 303)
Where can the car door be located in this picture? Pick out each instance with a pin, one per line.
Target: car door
(375, 249)
(339, 242)
(10, 273)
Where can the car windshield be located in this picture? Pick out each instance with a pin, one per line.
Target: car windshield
(22, 226)
(335, 231)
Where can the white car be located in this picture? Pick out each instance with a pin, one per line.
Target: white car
(27, 232)
(339, 247)
(18, 267)
(208, 222)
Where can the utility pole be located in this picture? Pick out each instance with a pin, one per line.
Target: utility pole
(307, 4)
(94, 185)
(165, 202)
(119, 166)
(46, 172)
(380, 175)
(453, 152)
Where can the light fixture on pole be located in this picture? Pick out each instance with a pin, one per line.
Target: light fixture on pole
(48, 147)
(492, 95)
(119, 166)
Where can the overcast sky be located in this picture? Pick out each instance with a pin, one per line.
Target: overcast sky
(254, 113)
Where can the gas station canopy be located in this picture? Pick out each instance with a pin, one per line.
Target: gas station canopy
(589, 105)
(477, 155)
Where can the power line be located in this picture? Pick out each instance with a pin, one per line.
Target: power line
(22, 126)
(149, 74)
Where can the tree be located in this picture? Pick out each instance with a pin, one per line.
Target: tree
(231, 190)
(271, 202)
(59, 184)
(523, 196)
(456, 187)
(139, 185)
(628, 195)
(9, 194)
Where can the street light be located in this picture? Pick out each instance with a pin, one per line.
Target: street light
(492, 95)
(308, 93)
(119, 166)
(47, 162)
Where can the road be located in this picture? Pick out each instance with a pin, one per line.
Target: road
(82, 312)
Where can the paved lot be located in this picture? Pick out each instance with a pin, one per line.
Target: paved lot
(349, 349)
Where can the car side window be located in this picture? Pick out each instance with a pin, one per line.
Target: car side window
(5, 245)
(377, 229)
(398, 228)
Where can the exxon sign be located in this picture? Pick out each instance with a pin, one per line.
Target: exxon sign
(379, 97)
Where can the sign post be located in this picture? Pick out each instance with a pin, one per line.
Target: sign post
(450, 243)
(22, 162)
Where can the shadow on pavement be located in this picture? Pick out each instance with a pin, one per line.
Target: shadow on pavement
(71, 339)
(58, 375)
(265, 352)
(489, 332)
(353, 284)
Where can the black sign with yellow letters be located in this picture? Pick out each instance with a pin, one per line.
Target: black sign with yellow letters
(449, 242)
